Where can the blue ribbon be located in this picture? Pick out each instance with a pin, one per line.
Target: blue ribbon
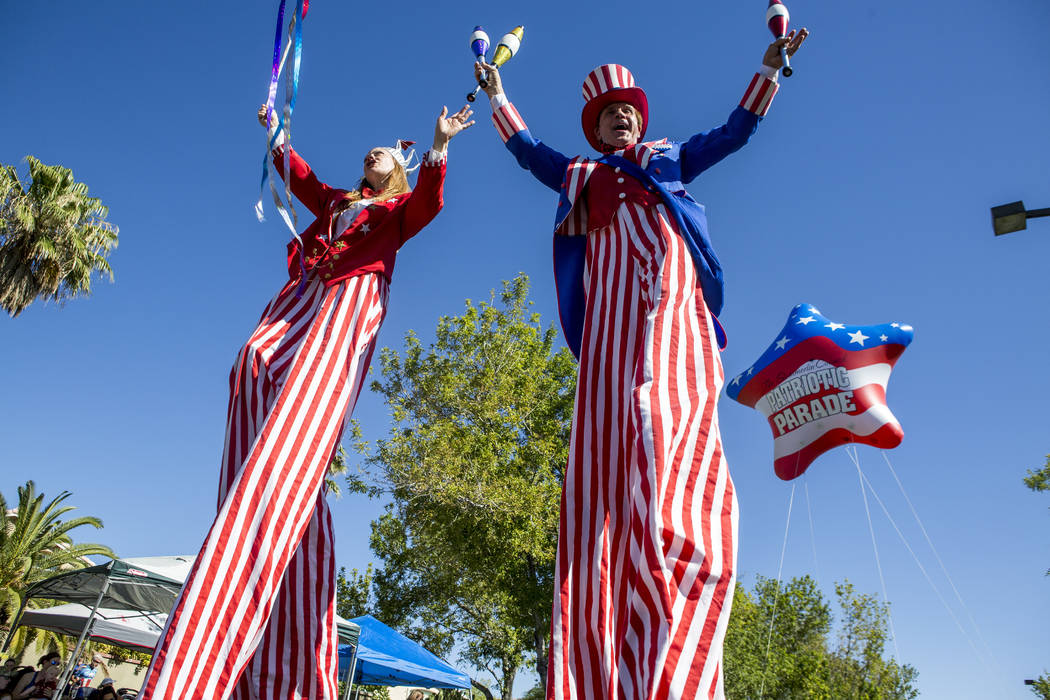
(284, 126)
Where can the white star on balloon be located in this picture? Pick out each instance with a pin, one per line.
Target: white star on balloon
(813, 345)
(364, 228)
(857, 337)
(736, 379)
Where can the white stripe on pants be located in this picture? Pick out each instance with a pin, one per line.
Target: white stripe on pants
(264, 578)
(647, 543)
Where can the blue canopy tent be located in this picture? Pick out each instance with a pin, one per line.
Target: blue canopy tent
(386, 657)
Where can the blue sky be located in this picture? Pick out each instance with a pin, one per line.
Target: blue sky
(865, 192)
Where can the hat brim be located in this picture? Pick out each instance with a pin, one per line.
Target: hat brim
(634, 96)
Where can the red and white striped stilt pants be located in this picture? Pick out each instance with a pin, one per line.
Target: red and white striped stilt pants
(647, 544)
(256, 616)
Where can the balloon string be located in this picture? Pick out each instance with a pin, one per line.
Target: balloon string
(813, 543)
(812, 530)
(922, 568)
(944, 569)
(878, 564)
(776, 594)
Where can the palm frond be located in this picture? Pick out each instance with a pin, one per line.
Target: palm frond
(54, 238)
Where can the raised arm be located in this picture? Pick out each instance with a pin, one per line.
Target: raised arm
(546, 164)
(426, 199)
(305, 186)
(707, 148)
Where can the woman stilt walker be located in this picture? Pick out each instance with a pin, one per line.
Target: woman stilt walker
(256, 616)
(647, 542)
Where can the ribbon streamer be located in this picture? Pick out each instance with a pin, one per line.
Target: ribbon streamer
(295, 40)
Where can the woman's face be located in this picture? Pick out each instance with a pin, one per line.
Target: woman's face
(378, 165)
(51, 671)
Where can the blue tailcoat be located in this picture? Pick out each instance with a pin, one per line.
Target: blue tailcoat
(668, 166)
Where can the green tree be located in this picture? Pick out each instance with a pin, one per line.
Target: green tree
(336, 468)
(34, 545)
(353, 598)
(794, 658)
(353, 593)
(53, 236)
(536, 692)
(857, 667)
(473, 464)
(1041, 686)
(1039, 480)
(785, 659)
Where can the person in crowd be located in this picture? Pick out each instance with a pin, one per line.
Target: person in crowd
(42, 683)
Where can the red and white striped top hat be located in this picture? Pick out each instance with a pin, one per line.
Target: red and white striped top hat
(604, 86)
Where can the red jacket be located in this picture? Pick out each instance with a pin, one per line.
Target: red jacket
(371, 243)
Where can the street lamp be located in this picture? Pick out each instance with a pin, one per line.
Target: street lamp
(1011, 217)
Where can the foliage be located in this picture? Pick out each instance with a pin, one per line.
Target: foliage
(371, 692)
(1039, 481)
(858, 669)
(795, 658)
(1041, 686)
(473, 465)
(336, 468)
(353, 593)
(787, 661)
(353, 598)
(34, 545)
(53, 237)
(536, 692)
(456, 694)
(120, 654)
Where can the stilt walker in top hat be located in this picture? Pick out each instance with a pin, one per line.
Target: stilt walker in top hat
(647, 544)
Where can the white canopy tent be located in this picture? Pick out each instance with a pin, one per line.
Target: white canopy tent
(124, 602)
(125, 628)
(122, 628)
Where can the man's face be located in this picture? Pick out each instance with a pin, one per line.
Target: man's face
(618, 125)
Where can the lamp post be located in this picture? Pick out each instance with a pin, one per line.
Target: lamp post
(1011, 217)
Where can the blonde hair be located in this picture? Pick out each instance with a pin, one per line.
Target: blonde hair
(395, 183)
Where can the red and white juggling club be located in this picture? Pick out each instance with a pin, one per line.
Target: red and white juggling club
(777, 18)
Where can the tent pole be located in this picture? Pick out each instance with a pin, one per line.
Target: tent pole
(68, 671)
(353, 669)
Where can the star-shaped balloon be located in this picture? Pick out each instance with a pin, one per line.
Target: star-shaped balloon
(822, 384)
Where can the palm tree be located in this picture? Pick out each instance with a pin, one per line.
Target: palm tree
(34, 545)
(53, 237)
